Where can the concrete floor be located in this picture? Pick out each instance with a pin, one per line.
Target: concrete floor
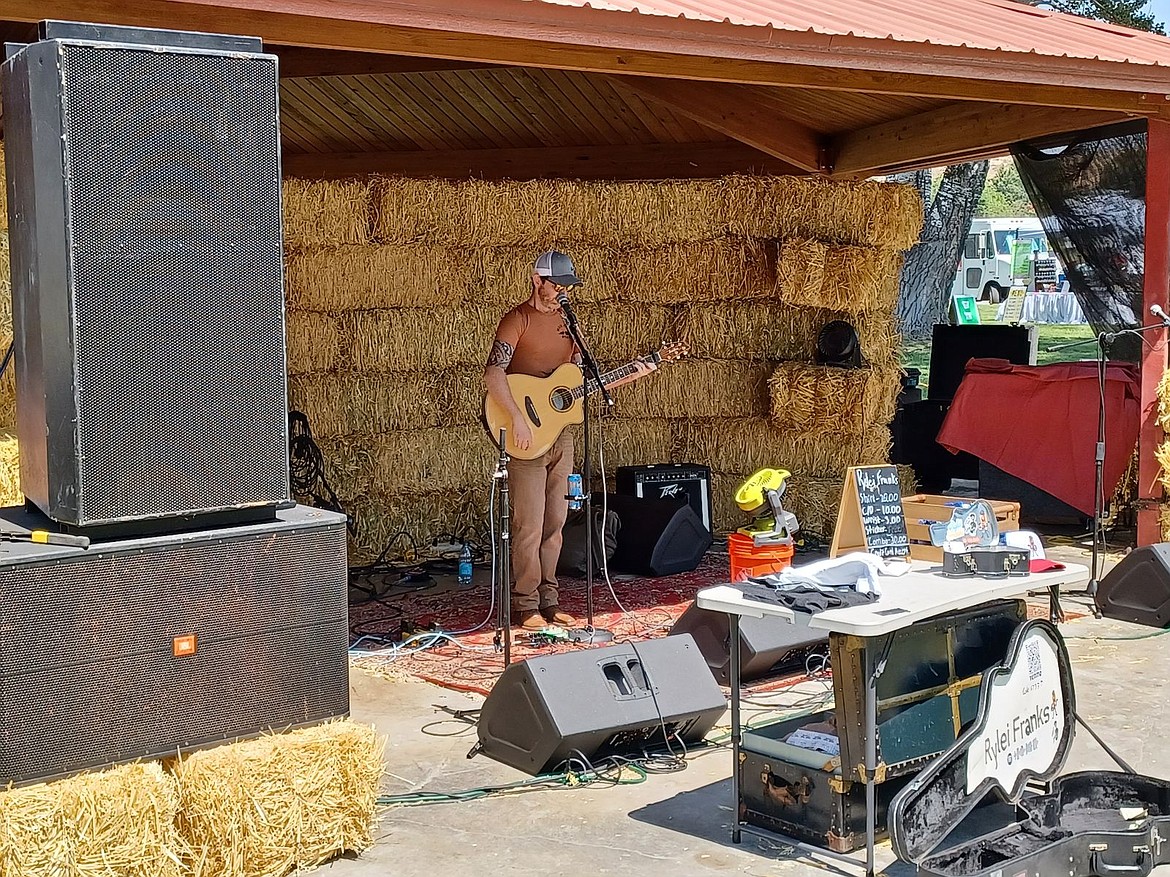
(678, 823)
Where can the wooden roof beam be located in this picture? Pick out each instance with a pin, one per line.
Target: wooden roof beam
(586, 39)
(298, 62)
(738, 111)
(951, 134)
(657, 161)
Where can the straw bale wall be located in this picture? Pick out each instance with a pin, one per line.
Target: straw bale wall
(396, 285)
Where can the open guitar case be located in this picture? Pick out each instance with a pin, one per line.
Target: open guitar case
(993, 804)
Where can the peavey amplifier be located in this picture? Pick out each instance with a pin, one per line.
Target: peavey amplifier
(670, 481)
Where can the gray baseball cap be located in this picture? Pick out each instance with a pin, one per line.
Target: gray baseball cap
(557, 267)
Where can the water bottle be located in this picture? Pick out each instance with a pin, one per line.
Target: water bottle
(574, 491)
(465, 566)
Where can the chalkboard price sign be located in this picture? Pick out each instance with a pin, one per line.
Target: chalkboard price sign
(871, 517)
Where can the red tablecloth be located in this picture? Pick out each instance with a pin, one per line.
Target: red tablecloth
(1039, 423)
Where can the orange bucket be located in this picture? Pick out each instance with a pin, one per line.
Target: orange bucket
(747, 559)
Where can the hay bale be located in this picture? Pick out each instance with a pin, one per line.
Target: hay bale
(633, 442)
(697, 388)
(114, 823)
(3, 193)
(507, 274)
(265, 807)
(394, 524)
(824, 399)
(10, 492)
(339, 403)
(1164, 520)
(408, 461)
(1162, 455)
(1164, 401)
(313, 341)
(851, 279)
(864, 213)
(390, 276)
(752, 330)
(8, 381)
(414, 339)
(325, 213)
(617, 333)
(720, 269)
(746, 444)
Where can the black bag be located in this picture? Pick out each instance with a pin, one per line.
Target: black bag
(572, 560)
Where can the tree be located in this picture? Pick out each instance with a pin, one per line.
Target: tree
(928, 271)
(1127, 13)
(1004, 194)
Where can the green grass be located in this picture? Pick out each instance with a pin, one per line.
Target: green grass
(1047, 335)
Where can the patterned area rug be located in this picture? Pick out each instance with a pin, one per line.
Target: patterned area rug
(466, 657)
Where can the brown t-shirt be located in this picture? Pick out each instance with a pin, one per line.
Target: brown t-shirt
(541, 342)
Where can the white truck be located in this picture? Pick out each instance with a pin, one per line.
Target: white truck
(985, 265)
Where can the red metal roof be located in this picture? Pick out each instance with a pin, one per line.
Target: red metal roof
(986, 25)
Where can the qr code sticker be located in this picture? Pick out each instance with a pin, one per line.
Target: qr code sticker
(1035, 671)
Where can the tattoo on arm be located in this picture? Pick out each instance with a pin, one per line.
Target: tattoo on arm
(501, 354)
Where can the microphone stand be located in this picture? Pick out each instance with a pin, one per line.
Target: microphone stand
(503, 584)
(1103, 340)
(589, 634)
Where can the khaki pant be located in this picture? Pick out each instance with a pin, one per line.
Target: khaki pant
(539, 509)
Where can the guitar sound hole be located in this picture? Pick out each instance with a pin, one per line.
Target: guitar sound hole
(561, 399)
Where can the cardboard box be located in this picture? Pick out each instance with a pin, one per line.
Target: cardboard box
(923, 508)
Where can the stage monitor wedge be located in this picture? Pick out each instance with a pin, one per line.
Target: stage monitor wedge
(656, 537)
(593, 702)
(144, 198)
(1138, 588)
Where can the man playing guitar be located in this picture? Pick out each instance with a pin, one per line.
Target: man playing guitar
(533, 339)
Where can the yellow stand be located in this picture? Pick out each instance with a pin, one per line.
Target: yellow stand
(870, 517)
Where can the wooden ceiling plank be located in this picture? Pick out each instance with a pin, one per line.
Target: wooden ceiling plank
(527, 87)
(937, 134)
(435, 113)
(361, 115)
(321, 131)
(580, 103)
(292, 121)
(636, 161)
(661, 123)
(497, 104)
(464, 113)
(733, 110)
(383, 92)
(637, 127)
(332, 117)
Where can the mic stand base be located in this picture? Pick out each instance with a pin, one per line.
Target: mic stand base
(590, 635)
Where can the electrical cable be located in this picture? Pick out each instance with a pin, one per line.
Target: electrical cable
(307, 468)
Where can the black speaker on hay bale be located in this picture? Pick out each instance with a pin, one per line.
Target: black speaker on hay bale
(1138, 588)
(766, 645)
(144, 198)
(144, 647)
(657, 537)
(594, 702)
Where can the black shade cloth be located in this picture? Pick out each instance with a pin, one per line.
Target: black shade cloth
(1089, 190)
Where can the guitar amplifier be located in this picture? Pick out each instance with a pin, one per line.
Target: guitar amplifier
(670, 481)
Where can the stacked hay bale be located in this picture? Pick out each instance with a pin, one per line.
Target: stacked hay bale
(9, 459)
(1163, 454)
(395, 287)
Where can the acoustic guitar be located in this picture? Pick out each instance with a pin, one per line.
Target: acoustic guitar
(550, 404)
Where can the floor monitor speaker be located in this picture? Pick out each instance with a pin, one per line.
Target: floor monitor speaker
(766, 645)
(657, 537)
(1138, 588)
(593, 702)
(147, 647)
(144, 185)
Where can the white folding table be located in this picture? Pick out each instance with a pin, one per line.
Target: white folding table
(918, 595)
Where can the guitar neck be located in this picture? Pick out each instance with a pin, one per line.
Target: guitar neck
(591, 386)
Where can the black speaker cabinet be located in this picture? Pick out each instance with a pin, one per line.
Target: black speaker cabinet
(657, 537)
(147, 276)
(1138, 588)
(766, 645)
(597, 702)
(147, 646)
(952, 346)
(688, 481)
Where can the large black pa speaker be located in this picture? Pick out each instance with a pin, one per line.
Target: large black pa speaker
(657, 537)
(147, 276)
(143, 647)
(766, 645)
(596, 702)
(1138, 588)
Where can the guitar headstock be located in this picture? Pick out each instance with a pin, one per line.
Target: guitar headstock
(670, 351)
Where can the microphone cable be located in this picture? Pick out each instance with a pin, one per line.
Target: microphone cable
(306, 469)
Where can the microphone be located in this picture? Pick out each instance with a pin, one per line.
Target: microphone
(1157, 311)
(563, 301)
